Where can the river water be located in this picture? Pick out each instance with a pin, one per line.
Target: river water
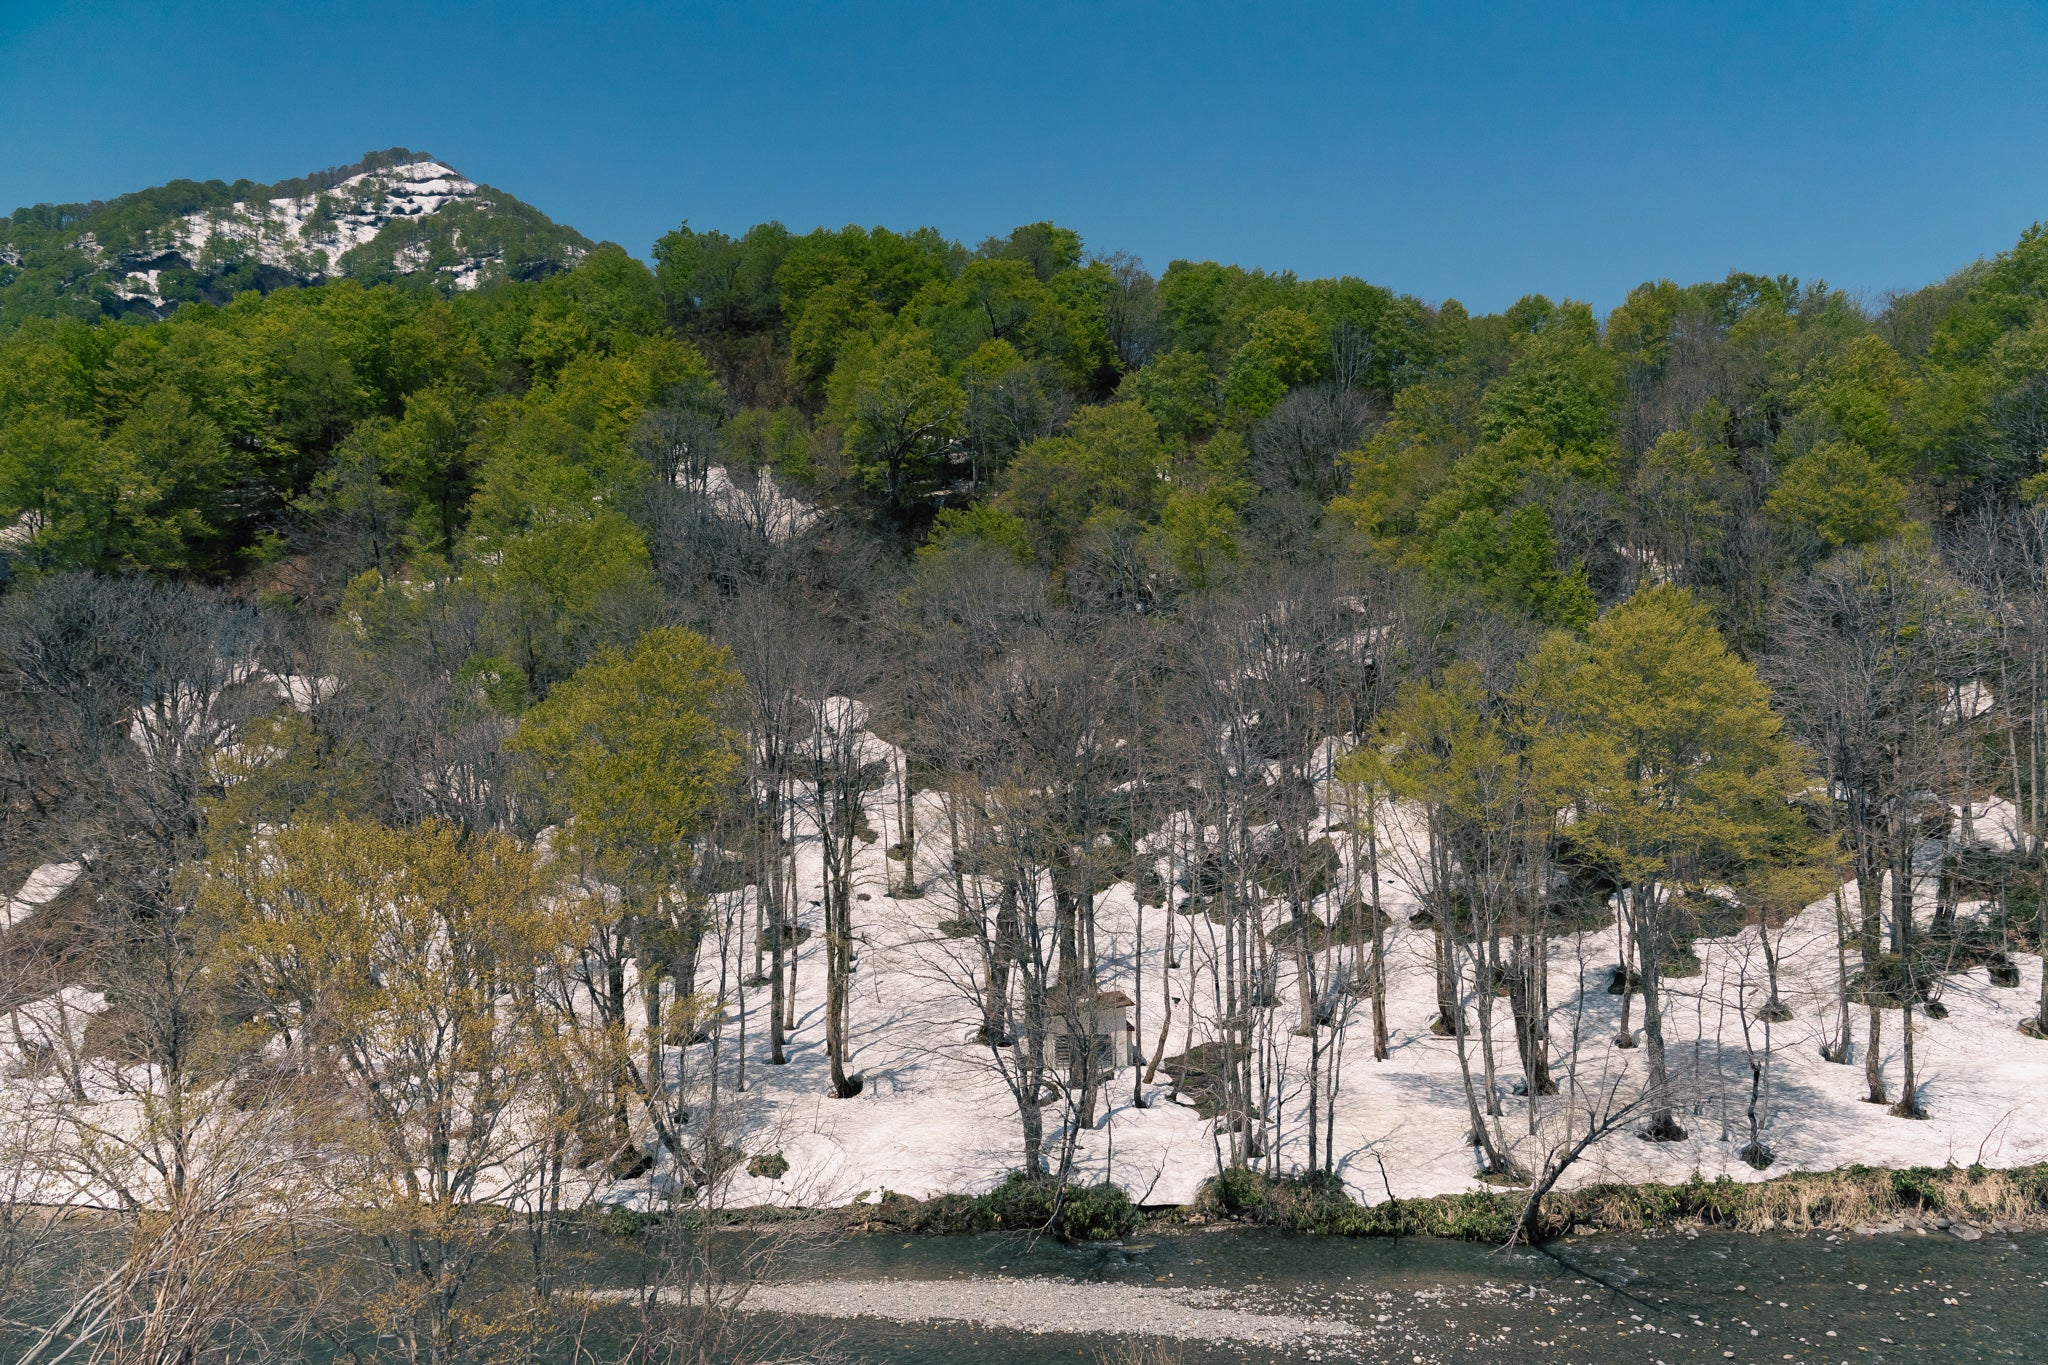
(1672, 1298)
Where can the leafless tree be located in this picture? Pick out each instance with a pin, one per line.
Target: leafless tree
(1300, 443)
(1871, 645)
(2004, 554)
(1137, 329)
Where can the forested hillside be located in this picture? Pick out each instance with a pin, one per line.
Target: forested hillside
(1132, 436)
(515, 740)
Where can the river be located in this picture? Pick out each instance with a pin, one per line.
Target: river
(1240, 1295)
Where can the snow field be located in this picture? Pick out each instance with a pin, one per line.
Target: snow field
(936, 1118)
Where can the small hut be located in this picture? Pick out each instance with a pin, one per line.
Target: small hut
(1105, 1022)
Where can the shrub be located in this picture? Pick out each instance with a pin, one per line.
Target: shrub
(617, 1221)
(1024, 1203)
(1319, 1205)
(1914, 1188)
(1096, 1213)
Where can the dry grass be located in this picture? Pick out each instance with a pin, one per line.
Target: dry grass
(1859, 1196)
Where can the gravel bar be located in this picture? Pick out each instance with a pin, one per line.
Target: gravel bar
(1043, 1305)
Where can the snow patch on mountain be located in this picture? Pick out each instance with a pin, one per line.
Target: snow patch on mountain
(324, 225)
(307, 235)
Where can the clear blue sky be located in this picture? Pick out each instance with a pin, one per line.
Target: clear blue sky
(1475, 152)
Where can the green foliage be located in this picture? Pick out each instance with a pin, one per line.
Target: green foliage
(1914, 1187)
(1200, 531)
(711, 281)
(1561, 387)
(1024, 1203)
(1393, 476)
(1180, 393)
(900, 415)
(1677, 754)
(768, 1165)
(639, 747)
(762, 439)
(1533, 462)
(1285, 347)
(559, 586)
(1510, 561)
(1838, 494)
(1047, 248)
(984, 524)
(1097, 1213)
(1110, 462)
(1319, 1205)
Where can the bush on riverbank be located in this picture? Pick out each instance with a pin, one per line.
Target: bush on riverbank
(1319, 1205)
(1022, 1203)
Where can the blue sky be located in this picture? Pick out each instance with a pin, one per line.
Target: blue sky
(1477, 152)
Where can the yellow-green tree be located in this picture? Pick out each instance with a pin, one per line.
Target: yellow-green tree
(637, 753)
(1840, 494)
(403, 963)
(1680, 762)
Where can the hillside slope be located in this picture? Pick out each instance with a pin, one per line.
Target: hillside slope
(395, 215)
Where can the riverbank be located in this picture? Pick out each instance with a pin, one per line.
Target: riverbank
(1961, 1201)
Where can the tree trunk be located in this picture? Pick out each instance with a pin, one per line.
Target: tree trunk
(1908, 1106)
(775, 904)
(1525, 999)
(1664, 1126)
(1839, 1053)
(1380, 1049)
(840, 834)
(1008, 945)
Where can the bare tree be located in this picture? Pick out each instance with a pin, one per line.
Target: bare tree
(2004, 554)
(1871, 645)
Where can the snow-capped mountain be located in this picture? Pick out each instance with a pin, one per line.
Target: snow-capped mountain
(395, 215)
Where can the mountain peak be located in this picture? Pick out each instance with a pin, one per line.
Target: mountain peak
(395, 215)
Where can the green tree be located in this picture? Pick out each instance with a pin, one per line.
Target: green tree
(1111, 461)
(1286, 347)
(640, 746)
(900, 417)
(983, 523)
(1180, 393)
(1680, 762)
(1199, 528)
(835, 312)
(1443, 749)
(1560, 386)
(639, 752)
(85, 502)
(1838, 494)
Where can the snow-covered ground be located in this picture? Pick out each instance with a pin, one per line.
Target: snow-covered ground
(935, 1117)
(44, 885)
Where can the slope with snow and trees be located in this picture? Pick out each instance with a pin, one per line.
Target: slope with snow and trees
(847, 715)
